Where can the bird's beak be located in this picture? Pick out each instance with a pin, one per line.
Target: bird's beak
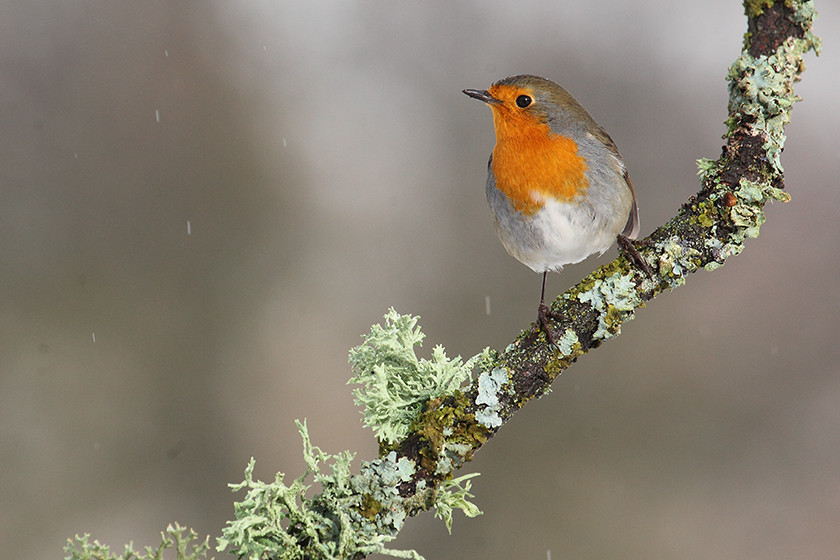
(482, 95)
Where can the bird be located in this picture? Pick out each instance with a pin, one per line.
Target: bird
(557, 187)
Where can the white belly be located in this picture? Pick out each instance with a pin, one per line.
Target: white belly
(558, 234)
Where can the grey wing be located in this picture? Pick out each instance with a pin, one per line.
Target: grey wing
(631, 228)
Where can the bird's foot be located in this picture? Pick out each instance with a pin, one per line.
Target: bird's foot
(543, 313)
(629, 249)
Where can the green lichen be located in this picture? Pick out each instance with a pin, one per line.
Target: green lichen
(369, 508)
(569, 348)
(615, 298)
(453, 495)
(356, 515)
(395, 382)
(353, 515)
(706, 213)
(449, 434)
(184, 541)
(755, 8)
(707, 168)
(803, 11)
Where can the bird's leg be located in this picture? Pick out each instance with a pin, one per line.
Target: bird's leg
(543, 313)
(628, 248)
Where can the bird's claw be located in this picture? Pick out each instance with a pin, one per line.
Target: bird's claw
(628, 248)
(543, 312)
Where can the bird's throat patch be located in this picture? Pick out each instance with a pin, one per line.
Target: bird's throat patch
(532, 165)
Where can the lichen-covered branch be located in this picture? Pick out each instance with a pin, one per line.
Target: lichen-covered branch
(431, 416)
(708, 229)
(427, 430)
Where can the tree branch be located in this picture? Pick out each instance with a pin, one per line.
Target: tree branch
(414, 472)
(708, 229)
(429, 426)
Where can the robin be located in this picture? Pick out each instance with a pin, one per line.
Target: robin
(556, 184)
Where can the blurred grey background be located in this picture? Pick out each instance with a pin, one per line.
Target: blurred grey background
(329, 167)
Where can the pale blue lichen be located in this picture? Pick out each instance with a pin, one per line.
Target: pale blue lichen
(805, 13)
(716, 248)
(453, 447)
(676, 259)
(748, 217)
(748, 211)
(762, 87)
(490, 386)
(614, 297)
(566, 343)
(395, 382)
(451, 454)
(380, 480)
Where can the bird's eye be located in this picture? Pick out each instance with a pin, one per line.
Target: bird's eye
(523, 101)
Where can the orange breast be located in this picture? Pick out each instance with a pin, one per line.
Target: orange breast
(531, 164)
